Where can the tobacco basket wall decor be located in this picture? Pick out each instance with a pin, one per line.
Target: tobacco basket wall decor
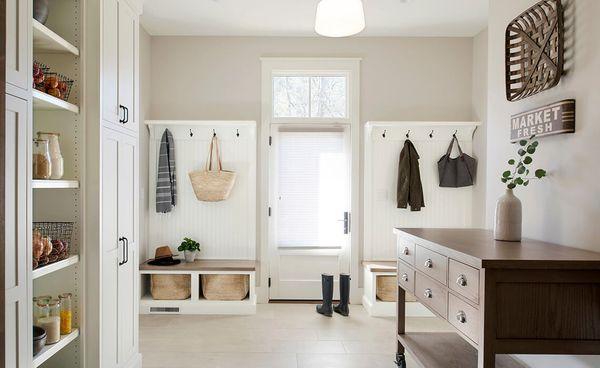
(534, 50)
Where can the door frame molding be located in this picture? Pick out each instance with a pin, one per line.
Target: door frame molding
(2, 173)
(269, 67)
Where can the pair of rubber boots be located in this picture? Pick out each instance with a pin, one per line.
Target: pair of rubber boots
(327, 308)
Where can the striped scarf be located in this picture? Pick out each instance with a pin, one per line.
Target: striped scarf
(166, 191)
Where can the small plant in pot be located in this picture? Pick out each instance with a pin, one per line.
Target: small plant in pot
(508, 219)
(190, 249)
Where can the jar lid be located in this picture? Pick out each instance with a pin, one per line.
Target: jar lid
(65, 296)
(39, 140)
(48, 133)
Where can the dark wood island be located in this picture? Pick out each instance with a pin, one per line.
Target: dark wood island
(528, 297)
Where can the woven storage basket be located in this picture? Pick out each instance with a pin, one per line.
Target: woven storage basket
(225, 287)
(387, 290)
(171, 287)
(212, 185)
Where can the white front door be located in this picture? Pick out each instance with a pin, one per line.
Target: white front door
(309, 222)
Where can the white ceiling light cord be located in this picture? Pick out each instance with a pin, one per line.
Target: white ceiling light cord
(339, 18)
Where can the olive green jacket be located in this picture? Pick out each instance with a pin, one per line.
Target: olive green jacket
(410, 190)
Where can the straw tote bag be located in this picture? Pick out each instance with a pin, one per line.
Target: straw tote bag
(459, 171)
(212, 185)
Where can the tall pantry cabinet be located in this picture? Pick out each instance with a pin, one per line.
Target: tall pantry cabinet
(112, 163)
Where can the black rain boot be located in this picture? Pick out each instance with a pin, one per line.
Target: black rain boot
(342, 308)
(327, 286)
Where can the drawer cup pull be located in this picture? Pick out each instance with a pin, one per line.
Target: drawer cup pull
(462, 280)
(406, 251)
(461, 317)
(404, 277)
(428, 263)
(428, 293)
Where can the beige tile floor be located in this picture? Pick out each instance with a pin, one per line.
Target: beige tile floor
(278, 336)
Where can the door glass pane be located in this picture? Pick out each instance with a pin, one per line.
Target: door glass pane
(328, 97)
(312, 188)
(290, 97)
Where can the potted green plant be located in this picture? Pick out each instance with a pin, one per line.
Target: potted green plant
(508, 218)
(190, 249)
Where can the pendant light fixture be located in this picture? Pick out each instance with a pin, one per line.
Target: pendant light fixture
(339, 18)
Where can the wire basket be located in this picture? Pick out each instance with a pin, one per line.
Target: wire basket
(55, 230)
(54, 84)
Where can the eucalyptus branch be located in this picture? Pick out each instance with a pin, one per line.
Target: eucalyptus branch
(520, 171)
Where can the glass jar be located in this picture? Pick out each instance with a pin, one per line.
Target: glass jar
(66, 314)
(52, 323)
(42, 166)
(56, 159)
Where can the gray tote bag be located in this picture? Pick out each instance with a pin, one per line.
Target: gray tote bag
(459, 171)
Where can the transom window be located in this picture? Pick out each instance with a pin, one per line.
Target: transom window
(310, 96)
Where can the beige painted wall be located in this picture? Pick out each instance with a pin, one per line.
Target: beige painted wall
(145, 95)
(401, 78)
(565, 207)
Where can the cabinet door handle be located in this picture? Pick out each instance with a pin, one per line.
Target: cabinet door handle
(406, 251)
(404, 277)
(428, 263)
(121, 263)
(461, 317)
(428, 293)
(126, 115)
(121, 120)
(126, 250)
(462, 280)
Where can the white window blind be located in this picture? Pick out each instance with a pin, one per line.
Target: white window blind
(312, 189)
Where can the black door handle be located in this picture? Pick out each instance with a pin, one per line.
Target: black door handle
(126, 115)
(121, 263)
(121, 107)
(126, 249)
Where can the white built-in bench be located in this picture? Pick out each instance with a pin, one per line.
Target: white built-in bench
(378, 308)
(197, 304)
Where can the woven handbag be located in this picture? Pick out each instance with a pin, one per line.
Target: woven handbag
(459, 171)
(212, 185)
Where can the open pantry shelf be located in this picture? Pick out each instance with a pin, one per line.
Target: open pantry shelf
(49, 350)
(46, 41)
(56, 266)
(55, 184)
(43, 101)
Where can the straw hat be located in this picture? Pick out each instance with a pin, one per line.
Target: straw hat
(163, 257)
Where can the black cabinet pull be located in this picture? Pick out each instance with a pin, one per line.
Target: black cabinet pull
(122, 121)
(121, 263)
(126, 115)
(127, 250)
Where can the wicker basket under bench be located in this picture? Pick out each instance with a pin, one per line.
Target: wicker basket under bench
(380, 291)
(228, 273)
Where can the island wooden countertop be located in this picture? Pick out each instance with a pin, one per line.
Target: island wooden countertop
(478, 247)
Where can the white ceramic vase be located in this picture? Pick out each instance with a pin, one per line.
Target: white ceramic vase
(508, 219)
(190, 255)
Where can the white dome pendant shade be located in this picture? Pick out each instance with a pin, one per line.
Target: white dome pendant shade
(339, 18)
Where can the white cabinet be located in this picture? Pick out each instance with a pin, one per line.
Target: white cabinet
(119, 248)
(119, 68)
(17, 312)
(18, 17)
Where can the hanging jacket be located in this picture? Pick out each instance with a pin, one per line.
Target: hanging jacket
(166, 190)
(410, 190)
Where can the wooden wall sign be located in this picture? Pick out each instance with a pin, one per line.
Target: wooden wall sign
(556, 118)
(534, 50)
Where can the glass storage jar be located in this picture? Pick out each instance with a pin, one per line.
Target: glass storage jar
(56, 159)
(42, 166)
(52, 323)
(66, 314)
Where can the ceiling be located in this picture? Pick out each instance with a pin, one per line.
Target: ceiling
(441, 18)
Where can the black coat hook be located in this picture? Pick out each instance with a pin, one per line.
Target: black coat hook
(384, 131)
(191, 133)
(431, 134)
(408, 134)
(454, 135)
(214, 133)
(237, 132)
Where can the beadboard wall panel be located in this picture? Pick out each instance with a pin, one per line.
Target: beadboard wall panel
(444, 207)
(226, 229)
